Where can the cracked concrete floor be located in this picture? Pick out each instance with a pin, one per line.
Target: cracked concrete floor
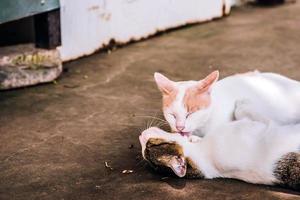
(55, 138)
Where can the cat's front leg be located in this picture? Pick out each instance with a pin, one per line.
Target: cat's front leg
(157, 133)
(154, 132)
(246, 109)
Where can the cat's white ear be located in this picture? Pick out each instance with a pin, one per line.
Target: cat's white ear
(208, 81)
(178, 165)
(165, 85)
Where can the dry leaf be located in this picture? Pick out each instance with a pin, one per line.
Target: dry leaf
(127, 171)
(108, 166)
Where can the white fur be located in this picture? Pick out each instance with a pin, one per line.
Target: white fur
(243, 149)
(274, 96)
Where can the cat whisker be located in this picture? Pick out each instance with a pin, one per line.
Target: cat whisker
(148, 124)
(153, 117)
(140, 162)
(141, 165)
(145, 127)
(154, 121)
(158, 124)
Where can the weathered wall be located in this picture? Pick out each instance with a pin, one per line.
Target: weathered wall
(90, 24)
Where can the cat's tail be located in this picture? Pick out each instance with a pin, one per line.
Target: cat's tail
(287, 170)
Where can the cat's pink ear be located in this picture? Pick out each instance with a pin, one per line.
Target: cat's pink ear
(207, 82)
(165, 85)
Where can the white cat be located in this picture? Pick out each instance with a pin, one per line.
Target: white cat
(196, 107)
(248, 150)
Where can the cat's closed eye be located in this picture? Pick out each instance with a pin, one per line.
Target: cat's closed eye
(173, 115)
(188, 115)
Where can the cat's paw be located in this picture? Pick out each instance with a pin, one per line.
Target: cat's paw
(194, 139)
(152, 132)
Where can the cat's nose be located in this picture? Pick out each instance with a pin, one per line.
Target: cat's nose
(180, 128)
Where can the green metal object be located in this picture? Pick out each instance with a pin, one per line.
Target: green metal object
(16, 9)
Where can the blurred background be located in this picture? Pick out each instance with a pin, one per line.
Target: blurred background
(79, 28)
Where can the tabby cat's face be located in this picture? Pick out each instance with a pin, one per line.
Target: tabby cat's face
(167, 157)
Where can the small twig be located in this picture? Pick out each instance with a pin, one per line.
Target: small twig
(108, 166)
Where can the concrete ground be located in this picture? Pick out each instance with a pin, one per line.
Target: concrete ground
(56, 138)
